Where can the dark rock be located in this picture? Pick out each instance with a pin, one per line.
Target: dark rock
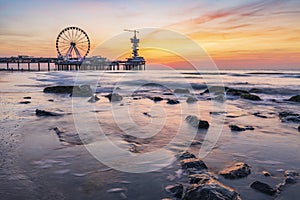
(195, 122)
(295, 98)
(185, 155)
(59, 89)
(236, 128)
(146, 114)
(191, 99)
(46, 113)
(200, 178)
(210, 190)
(265, 173)
(263, 187)
(290, 176)
(75, 91)
(70, 138)
(217, 112)
(251, 97)
(182, 91)
(25, 102)
(156, 99)
(176, 190)
(172, 101)
(238, 170)
(51, 100)
(236, 92)
(193, 163)
(114, 97)
(258, 114)
(239, 129)
(26, 97)
(256, 90)
(298, 128)
(94, 99)
(289, 117)
(168, 93)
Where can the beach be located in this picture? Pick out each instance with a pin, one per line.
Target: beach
(96, 149)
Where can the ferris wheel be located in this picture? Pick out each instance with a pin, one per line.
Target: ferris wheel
(72, 43)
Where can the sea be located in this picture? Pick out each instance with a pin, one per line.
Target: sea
(127, 148)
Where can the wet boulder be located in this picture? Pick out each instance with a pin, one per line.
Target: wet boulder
(197, 123)
(210, 190)
(195, 164)
(156, 99)
(172, 101)
(44, 113)
(239, 129)
(201, 178)
(266, 173)
(295, 98)
(263, 187)
(75, 91)
(290, 176)
(185, 155)
(114, 97)
(175, 190)
(236, 92)
(181, 91)
(24, 102)
(251, 97)
(27, 97)
(238, 170)
(289, 117)
(62, 89)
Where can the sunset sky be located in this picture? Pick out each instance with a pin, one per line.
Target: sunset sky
(245, 34)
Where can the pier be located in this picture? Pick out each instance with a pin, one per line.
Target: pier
(73, 46)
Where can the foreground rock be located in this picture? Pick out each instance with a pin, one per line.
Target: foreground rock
(114, 97)
(172, 101)
(193, 164)
(24, 102)
(175, 190)
(289, 117)
(210, 189)
(156, 99)
(202, 184)
(298, 128)
(70, 138)
(290, 176)
(263, 187)
(295, 98)
(75, 91)
(238, 170)
(251, 97)
(44, 113)
(195, 122)
(239, 129)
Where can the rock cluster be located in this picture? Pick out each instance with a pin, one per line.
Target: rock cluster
(202, 184)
